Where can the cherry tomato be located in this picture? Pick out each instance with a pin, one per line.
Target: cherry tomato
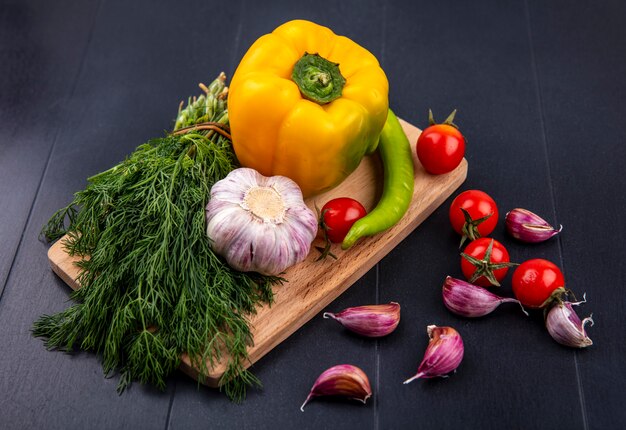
(338, 215)
(473, 214)
(481, 268)
(535, 280)
(441, 147)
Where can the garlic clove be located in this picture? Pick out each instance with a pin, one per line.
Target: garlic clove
(469, 300)
(343, 380)
(259, 223)
(527, 226)
(369, 320)
(443, 355)
(565, 326)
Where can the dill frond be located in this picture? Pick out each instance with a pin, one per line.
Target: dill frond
(152, 288)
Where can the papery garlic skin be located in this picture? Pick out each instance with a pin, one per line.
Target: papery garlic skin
(527, 226)
(342, 380)
(369, 320)
(565, 326)
(443, 355)
(471, 301)
(258, 223)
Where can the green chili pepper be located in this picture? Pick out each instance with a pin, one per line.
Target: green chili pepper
(395, 153)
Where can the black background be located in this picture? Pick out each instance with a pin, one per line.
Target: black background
(540, 91)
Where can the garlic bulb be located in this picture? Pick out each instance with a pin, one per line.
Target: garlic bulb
(259, 223)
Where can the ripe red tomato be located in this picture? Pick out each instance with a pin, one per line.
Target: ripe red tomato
(473, 214)
(338, 215)
(535, 280)
(485, 262)
(441, 147)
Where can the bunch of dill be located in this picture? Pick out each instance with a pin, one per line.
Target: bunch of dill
(152, 288)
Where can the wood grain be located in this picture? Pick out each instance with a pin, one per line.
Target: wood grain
(313, 285)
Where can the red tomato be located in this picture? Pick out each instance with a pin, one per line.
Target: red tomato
(535, 280)
(480, 216)
(441, 147)
(338, 215)
(482, 269)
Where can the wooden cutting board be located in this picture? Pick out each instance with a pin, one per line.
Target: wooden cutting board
(313, 285)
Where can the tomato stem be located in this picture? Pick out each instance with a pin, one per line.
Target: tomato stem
(449, 120)
(324, 251)
(557, 296)
(484, 266)
(470, 228)
(431, 118)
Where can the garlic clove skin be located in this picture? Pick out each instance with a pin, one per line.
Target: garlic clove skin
(343, 380)
(369, 320)
(259, 223)
(471, 301)
(443, 355)
(565, 326)
(527, 226)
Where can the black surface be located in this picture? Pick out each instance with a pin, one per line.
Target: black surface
(540, 91)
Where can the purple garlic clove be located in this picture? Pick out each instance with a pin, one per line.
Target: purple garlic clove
(342, 380)
(527, 226)
(469, 300)
(370, 320)
(443, 354)
(565, 326)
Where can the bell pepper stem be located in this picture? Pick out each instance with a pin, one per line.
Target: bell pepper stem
(318, 79)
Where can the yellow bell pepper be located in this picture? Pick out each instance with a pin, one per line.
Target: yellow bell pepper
(307, 104)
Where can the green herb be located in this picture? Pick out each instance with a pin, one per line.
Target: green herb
(152, 289)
